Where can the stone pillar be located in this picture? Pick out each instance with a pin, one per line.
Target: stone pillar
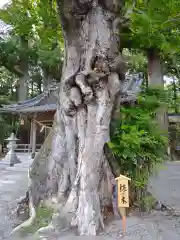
(34, 129)
(0, 149)
(46, 132)
(11, 156)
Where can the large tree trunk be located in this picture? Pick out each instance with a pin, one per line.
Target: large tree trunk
(155, 70)
(23, 80)
(155, 79)
(47, 79)
(74, 168)
(23, 87)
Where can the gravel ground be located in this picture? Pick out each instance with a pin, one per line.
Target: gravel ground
(13, 184)
(166, 185)
(156, 225)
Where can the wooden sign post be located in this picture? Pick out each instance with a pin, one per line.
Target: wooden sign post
(123, 197)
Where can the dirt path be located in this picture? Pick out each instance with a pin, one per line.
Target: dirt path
(154, 226)
(166, 185)
(13, 183)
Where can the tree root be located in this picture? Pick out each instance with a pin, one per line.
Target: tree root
(30, 221)
(32, 212)
(23, 204)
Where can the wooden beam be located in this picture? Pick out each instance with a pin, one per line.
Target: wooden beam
(34, 129)
(30, 140)
(46, 121)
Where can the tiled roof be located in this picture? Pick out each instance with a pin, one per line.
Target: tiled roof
(47, 101)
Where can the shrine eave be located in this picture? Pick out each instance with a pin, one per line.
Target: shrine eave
(48, 101)
(28, 108)
(34, 109)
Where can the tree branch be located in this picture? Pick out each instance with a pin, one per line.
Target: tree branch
(172, 20)
(12, 68)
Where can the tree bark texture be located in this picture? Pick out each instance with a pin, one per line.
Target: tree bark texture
(155, 70)
(155, 79)
(24, 78)
(72, 165)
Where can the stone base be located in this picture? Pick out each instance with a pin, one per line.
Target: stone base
(12, 159)
(33, 155)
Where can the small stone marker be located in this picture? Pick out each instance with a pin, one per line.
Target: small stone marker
(11, 156)
(123, 197)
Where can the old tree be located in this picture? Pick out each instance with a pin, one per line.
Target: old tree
(71, 166)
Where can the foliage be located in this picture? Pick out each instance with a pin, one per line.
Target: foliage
(154, 24)
(36, 25)
(137, 141)
(6, 128)
(7, 96)
(30, 40)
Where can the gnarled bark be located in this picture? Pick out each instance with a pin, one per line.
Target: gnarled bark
(75, 168)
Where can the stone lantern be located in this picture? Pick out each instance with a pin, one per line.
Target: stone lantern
(11, 156)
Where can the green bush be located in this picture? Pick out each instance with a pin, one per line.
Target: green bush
(137, 142)
(8, 124)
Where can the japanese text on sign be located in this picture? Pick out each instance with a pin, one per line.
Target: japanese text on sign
(123, 193)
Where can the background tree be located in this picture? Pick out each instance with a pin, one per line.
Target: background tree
(34, 39)
(154, 28)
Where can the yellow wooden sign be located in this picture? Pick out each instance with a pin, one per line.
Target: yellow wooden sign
(123, 191)
(123, 198)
